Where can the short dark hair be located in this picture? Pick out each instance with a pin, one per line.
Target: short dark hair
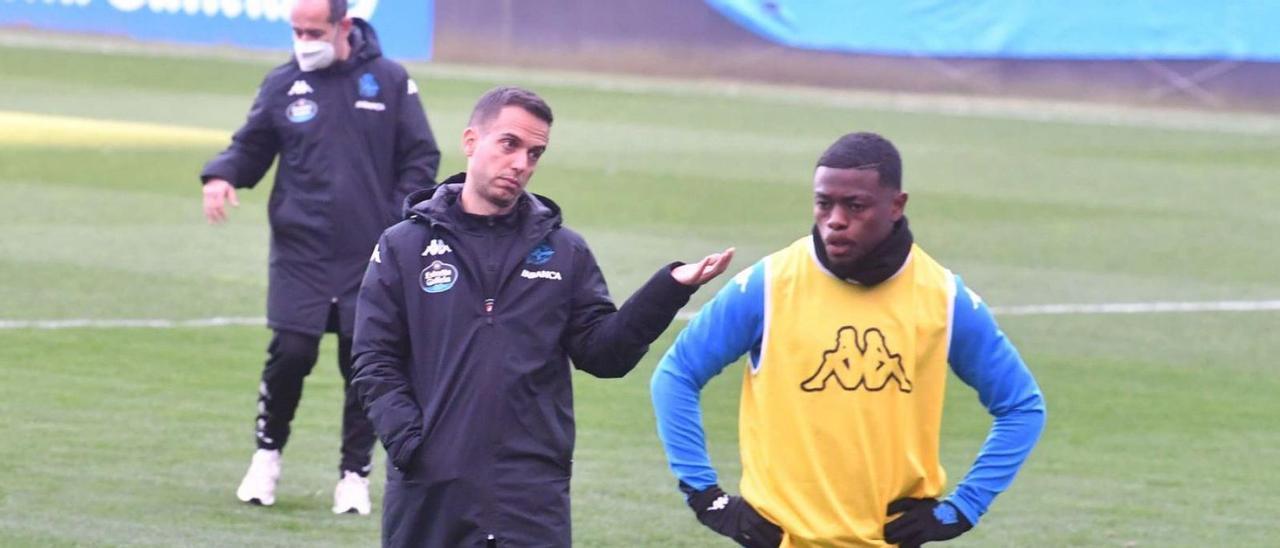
(493, 101)
(864, 150)
(337, 10)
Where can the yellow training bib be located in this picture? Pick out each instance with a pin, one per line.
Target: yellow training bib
(843, 415)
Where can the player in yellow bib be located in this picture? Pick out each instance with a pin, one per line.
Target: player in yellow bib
(850, 332)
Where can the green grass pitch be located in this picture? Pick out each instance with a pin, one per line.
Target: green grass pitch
(1162, 427)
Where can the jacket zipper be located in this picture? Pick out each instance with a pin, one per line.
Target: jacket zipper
(501, 282)
(491, 275)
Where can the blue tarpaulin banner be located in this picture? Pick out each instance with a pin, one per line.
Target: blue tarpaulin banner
(404, 26)
(1085, 29)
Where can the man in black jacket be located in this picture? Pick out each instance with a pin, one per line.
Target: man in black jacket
(353, 141)
(469, 315)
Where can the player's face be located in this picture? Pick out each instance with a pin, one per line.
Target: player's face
(310, 22)
(503, 154)
(853, 212)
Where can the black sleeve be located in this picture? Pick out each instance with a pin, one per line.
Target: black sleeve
(253, 147)
(381, 357)
(608, 342)
(417, 157)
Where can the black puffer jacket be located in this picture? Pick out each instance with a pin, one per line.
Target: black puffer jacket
(353, 141)
(465, 330)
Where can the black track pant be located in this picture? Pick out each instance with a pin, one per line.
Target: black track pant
(290, 357)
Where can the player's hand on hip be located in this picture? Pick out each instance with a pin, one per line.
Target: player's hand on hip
(732, 517)
(923, 520)
(217, 193)
(705, 270)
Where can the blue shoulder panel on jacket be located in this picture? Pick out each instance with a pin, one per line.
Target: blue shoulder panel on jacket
(983, 358)
(729, 326)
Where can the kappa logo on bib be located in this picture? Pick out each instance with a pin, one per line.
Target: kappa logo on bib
(855, 362)
(302, 110)
(438, 277)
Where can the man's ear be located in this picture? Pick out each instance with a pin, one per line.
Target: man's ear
(899, 205)
(469, 139)
(345, 25)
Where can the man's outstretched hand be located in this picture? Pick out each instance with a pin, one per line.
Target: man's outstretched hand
(703, 271)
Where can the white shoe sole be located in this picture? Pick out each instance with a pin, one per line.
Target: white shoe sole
(351, 510)
(256, 500)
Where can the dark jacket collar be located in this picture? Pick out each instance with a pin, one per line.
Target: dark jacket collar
(441, 206)
(879, 264)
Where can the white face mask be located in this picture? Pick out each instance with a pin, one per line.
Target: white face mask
(313, 54)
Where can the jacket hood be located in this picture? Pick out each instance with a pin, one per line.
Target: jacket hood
(435, 206)
(364, 42)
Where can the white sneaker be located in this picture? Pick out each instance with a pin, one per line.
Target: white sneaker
(352, 495)
(259, 483)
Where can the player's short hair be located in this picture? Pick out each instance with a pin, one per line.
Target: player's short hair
(337, 10)
(493, 101)
(864, 150)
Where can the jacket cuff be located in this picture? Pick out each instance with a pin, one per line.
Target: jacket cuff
(204, 178)
(664, 288)
(218, 168)
(967, 510)
(651, 308)
(404, 453)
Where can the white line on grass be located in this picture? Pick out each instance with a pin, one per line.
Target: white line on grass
(1158, 307)
(76, 323)
(1135, 308)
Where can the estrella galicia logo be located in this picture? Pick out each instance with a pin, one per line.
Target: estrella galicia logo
(438, 277)
(368, 85)
(855, 362)
(302, 110)
(540, 255)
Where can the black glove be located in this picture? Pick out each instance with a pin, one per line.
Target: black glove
(923, 520)
(732, 517)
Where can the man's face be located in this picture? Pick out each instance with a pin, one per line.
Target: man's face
(310, 21)
(853, 212)
(502, 155)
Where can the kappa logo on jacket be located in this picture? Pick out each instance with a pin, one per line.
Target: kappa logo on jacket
(436, 247)
(855, 362)
(300, 87)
